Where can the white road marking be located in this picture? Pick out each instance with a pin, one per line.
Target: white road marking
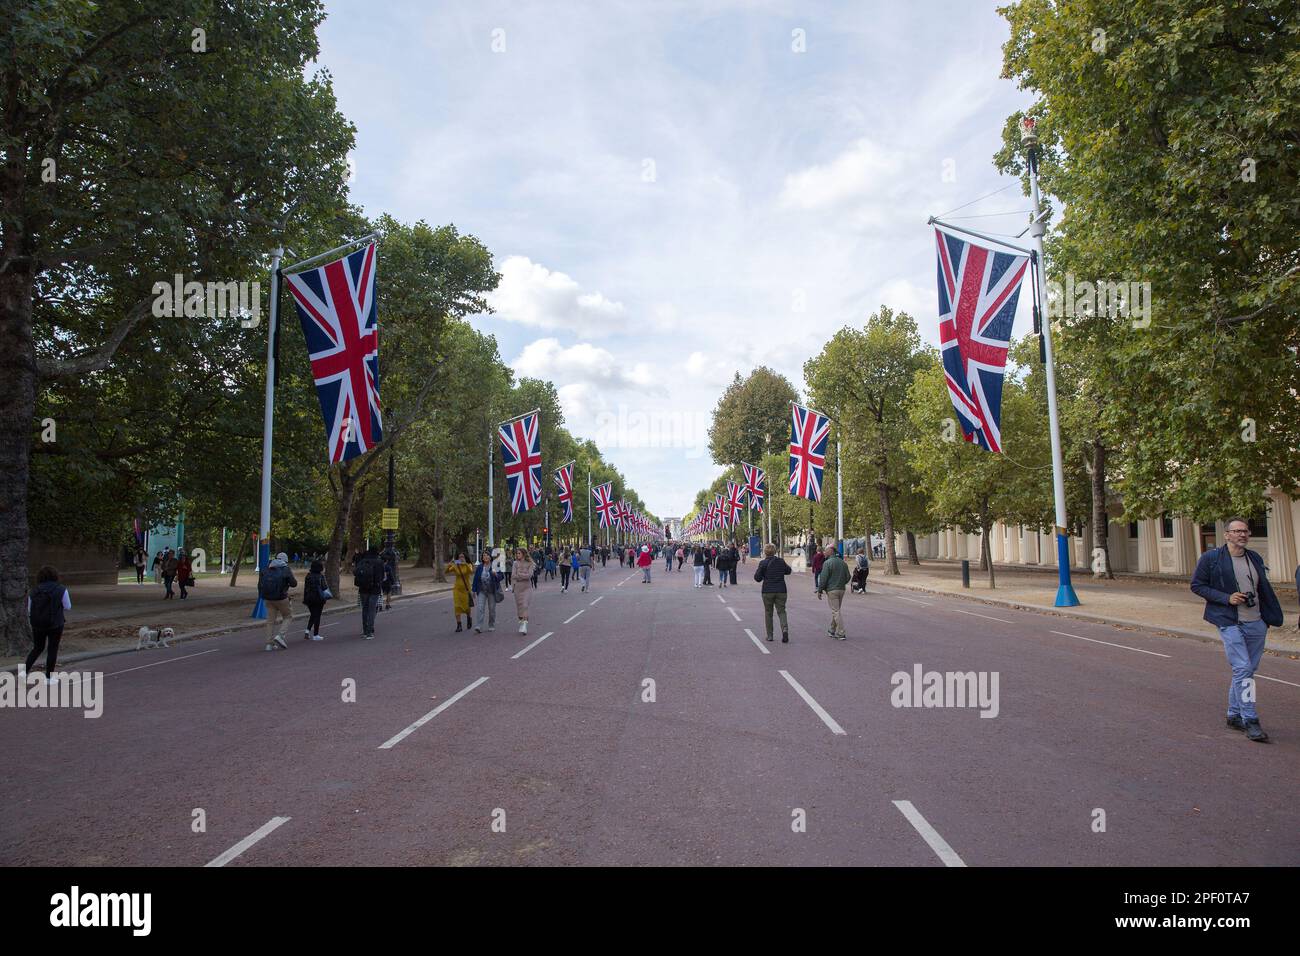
(733, 612)
(985, 616)
(597, 601)
(531, 646)
(264, 830)
(1109, 644)
(757, 642)
(580, 612)
(928, 833)
(394, 741)
(1278, 680)
(721, 598)
(820, 711)
(128, 670)
(899, 597)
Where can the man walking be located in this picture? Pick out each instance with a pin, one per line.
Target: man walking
(772, 571)
(833, 579)
(369, 581)
(273, 586)
(1240, 602)
(584, 566)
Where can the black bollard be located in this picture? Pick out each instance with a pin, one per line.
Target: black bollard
(965, 574)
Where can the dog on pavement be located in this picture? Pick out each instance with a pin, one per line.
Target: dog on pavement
(149, 637)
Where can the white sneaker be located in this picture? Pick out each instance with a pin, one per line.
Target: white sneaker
(523, 628)
(306, 635)
(270, 646)
(278, 640)
(317, 637)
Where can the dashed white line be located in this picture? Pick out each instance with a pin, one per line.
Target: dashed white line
(394, 741)
(171, 660)
(516, 657)
(597, 601)
(899, 597)
(576, 615)
(721, 598)
(266, 828)
(928, 833)
(757, 642)
(985, 616)
(1109, 644)
(1277, 680)
(820, 711)
(733, 612)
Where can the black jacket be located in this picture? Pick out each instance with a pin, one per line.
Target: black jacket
(1215, 581)
(772, 571)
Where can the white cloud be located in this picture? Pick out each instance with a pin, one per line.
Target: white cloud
(531, 294)
(859, 173)
(580, 365)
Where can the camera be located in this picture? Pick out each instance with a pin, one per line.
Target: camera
(1250, 599)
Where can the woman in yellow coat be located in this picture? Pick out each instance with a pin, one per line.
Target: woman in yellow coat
(461, 571)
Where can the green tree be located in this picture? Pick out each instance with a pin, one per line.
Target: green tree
(127, 151)
(859, 379)
(751, 417)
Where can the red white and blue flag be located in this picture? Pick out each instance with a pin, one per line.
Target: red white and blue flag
(336, 306)
(735, 502)
(564, 481)
(521, 450)
(605, 506)
(809, 432)
(720, 509)
(755, 482)
(978, 290)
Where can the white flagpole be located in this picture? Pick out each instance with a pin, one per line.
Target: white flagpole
(589, 507)
(839, 500)
(1065, 596)
(491, 538)
(268, 420)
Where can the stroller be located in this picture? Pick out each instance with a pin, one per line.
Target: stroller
(859, 583)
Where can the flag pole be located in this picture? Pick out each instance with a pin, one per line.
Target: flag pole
(491, 538)
(839, 500)
(589, 506)
(268, 420)
(1065, 596)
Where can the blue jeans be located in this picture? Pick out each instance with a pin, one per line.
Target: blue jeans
(368, 604)
(1244, 645)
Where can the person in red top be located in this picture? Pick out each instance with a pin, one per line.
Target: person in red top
(184, 572)
(643, 562)
(818, 559)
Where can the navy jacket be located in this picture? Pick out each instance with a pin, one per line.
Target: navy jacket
(485, 580)
(1215, 581)
(772, 571)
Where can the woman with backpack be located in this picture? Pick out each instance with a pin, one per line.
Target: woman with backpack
(462, 573)
(45, 606)
(315, 592)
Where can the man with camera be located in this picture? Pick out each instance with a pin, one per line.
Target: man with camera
(1240, 602)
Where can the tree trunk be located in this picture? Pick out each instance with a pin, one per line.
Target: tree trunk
(239, 557)
(424, 551)
(1100, 525)
(439, 544)
(342, 520)
(912, 557)
(356, 524)
(17, 416)
(886, 509)
(986, 550)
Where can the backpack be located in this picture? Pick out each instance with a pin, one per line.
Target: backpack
(47, 608)
(271, 585)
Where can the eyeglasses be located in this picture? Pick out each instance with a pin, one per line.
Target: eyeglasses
(1245, 531)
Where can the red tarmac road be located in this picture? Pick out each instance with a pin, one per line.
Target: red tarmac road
(561, 746)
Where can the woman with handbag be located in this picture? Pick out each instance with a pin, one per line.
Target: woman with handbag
(486, 588)
(315, 592)
(462, 598)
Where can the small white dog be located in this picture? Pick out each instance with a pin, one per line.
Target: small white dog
(152, 638)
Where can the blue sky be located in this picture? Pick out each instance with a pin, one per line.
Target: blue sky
(673, 191)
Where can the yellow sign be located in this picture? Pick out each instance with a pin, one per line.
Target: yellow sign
(389, 520)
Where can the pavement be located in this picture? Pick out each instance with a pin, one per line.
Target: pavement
(652, 724)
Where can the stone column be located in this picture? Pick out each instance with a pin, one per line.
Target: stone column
(1281, 539)
(1185, 551)
(1013, 545)
(1149, 546)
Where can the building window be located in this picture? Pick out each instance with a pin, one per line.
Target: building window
(1133, 530)
(1166, 526)
(1258, 527)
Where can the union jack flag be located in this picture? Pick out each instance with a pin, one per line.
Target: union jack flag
(978, 290)
(340, 320)
(604, 503)
(809, 432)
(564, 480)
(735, 502)
(720, 509)
(521, 450)
(755, 482)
